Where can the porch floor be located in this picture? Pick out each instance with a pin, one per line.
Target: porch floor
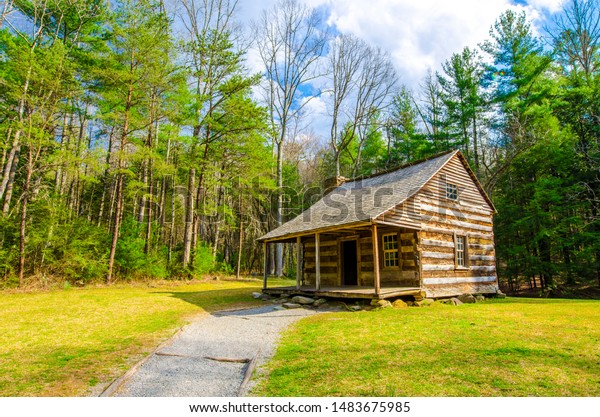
(345, 292)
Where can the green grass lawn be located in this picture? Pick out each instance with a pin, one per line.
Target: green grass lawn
(65, 343)
(511, 347)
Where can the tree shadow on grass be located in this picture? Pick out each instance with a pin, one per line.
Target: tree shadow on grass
(520, 300)
(236, 303)
(213, 300)
(229, 302)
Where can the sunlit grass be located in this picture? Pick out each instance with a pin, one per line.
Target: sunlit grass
(513, 347)
(73, 342)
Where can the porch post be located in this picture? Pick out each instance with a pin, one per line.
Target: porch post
(266, 263)
(376, 277)
(317, 261)
(298, 261)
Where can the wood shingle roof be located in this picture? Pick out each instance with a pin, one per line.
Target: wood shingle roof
(363, 199)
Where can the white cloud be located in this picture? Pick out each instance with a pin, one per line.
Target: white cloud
(552, 6)
(316, 118)
(254, 62)
(419, 34)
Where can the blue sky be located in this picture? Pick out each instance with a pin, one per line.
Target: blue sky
(419, 34)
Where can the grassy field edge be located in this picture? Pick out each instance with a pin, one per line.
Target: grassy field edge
(75, 342)
(511, 347)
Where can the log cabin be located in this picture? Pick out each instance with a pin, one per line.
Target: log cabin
(422, 230)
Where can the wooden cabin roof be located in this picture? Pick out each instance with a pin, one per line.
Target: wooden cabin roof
(363, 199)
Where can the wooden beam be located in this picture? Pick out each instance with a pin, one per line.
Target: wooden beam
(376, 278)
(358, 263)
(455, 250)
(290, 236)
(266, 264)
(419, 258)
(317, 261)
(396, 225)
(298, 261)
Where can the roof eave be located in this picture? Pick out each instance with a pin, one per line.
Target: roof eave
(353, 225)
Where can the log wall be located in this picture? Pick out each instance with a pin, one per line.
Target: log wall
(441, 220)
(405, 275)
(329, 261)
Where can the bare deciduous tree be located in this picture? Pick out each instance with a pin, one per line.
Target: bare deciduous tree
(363, 79)
(290, 42)
(577, 35)
(7, 8)
(375, 89)
(431, 110)
(345, 60)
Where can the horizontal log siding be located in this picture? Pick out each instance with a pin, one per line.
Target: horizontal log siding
(407, 214)
(430, 204)
(329, 262)
(455, 173)
(406, 274)
(469, 216)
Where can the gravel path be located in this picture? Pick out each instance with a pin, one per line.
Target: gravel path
(182, 367)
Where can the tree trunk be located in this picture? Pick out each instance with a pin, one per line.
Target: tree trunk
(241, 242)
(271, 261)
(142, 199)
(10, 179)
(199, 196)
(189, 219)
(119, 188)
(11, 166)
(4, 149)
(5, 154)
(112, 202)
(59, 167)
(149, 178)
(465, 139)
(217, 221)
(24, 215)
(240, 248)
(147, 245)
(163, 190)
(172, 228)
(279, 215)
(105, 178)
(475, 145)
(358, 159)
(116, 227)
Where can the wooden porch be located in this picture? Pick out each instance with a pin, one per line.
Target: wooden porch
(351, 292)
(346, 264)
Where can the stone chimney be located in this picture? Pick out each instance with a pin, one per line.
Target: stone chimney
(330, 183)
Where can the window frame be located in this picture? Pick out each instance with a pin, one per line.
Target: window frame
(395, 250)
(464, 251)
(451, 190)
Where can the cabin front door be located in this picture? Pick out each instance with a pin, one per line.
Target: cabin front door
(349, 262)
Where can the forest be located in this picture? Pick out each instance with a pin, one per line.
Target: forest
(137, 143)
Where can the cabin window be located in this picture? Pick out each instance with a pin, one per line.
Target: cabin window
(451, 191)
(390, 250)
(460, 251)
